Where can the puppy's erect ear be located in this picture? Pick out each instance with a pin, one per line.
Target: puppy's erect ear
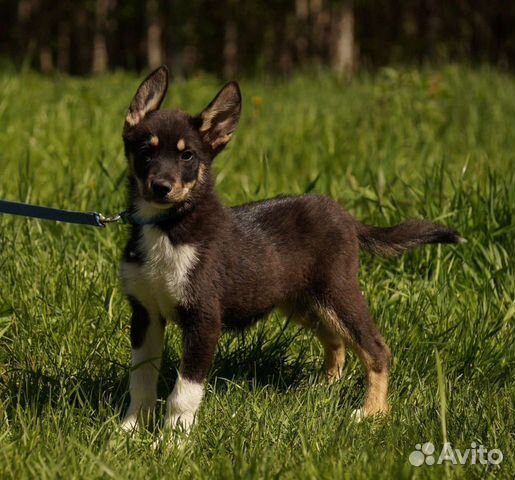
(149, 96)
(219, 119)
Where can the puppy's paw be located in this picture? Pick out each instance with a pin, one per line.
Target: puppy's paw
(130, 424)
(162, 441)
(168, 439)
(362, 413)
(175, 432)
(358, 415)
(333, 376)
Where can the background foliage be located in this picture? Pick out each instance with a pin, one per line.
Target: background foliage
(235, 37)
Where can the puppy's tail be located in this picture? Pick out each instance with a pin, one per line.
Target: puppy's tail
(406, 235)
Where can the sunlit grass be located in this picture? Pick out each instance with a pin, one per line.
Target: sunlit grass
(401, 144)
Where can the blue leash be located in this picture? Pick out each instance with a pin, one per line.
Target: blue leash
(66, 216)
(78, 218)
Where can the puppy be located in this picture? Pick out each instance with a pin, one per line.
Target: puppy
(205, 267)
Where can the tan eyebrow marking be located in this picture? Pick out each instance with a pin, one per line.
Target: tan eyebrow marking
(181, 145)
(154, 140)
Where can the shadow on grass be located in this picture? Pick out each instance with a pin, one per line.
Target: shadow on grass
(261, 358)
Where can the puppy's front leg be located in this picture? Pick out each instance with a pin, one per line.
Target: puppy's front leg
(147, 333)
(200, 333)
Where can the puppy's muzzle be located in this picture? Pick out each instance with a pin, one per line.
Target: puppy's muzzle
(161, 188)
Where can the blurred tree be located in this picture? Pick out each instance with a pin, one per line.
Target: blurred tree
(63, 43)
(100, 57)
(343, 48)
(235, 37)
(230, 48)
(154, 35)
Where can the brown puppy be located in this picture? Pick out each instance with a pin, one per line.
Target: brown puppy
(206, 267)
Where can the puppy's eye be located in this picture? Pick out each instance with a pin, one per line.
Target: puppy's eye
(187, 155)
(144, 150)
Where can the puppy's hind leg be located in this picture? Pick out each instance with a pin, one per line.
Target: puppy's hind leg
(147, 334)
(349, 314)
(334, 351)
(303, 313)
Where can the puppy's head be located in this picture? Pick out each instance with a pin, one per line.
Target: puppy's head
(169, 151)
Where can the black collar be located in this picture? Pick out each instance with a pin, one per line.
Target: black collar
(172, 215)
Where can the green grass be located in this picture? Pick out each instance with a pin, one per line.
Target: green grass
(400, 144)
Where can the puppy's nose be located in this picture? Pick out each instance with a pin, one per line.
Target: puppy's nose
(161, 188)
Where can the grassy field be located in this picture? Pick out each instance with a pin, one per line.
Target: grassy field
(438, 144)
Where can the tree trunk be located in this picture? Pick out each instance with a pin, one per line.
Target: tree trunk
(100, 57)
(154, 34)
(302, 42)
(343, 58)
(63, 46)
(46, 61)
(27, 42)
(288, 39)
(42, 22)
(230, 49)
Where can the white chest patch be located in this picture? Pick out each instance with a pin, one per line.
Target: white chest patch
(161, 282)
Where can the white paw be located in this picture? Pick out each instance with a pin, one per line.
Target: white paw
(161, 441)
(358, 415)
(165, 440)
(175, 431)
(130, 423)
(180, 422)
